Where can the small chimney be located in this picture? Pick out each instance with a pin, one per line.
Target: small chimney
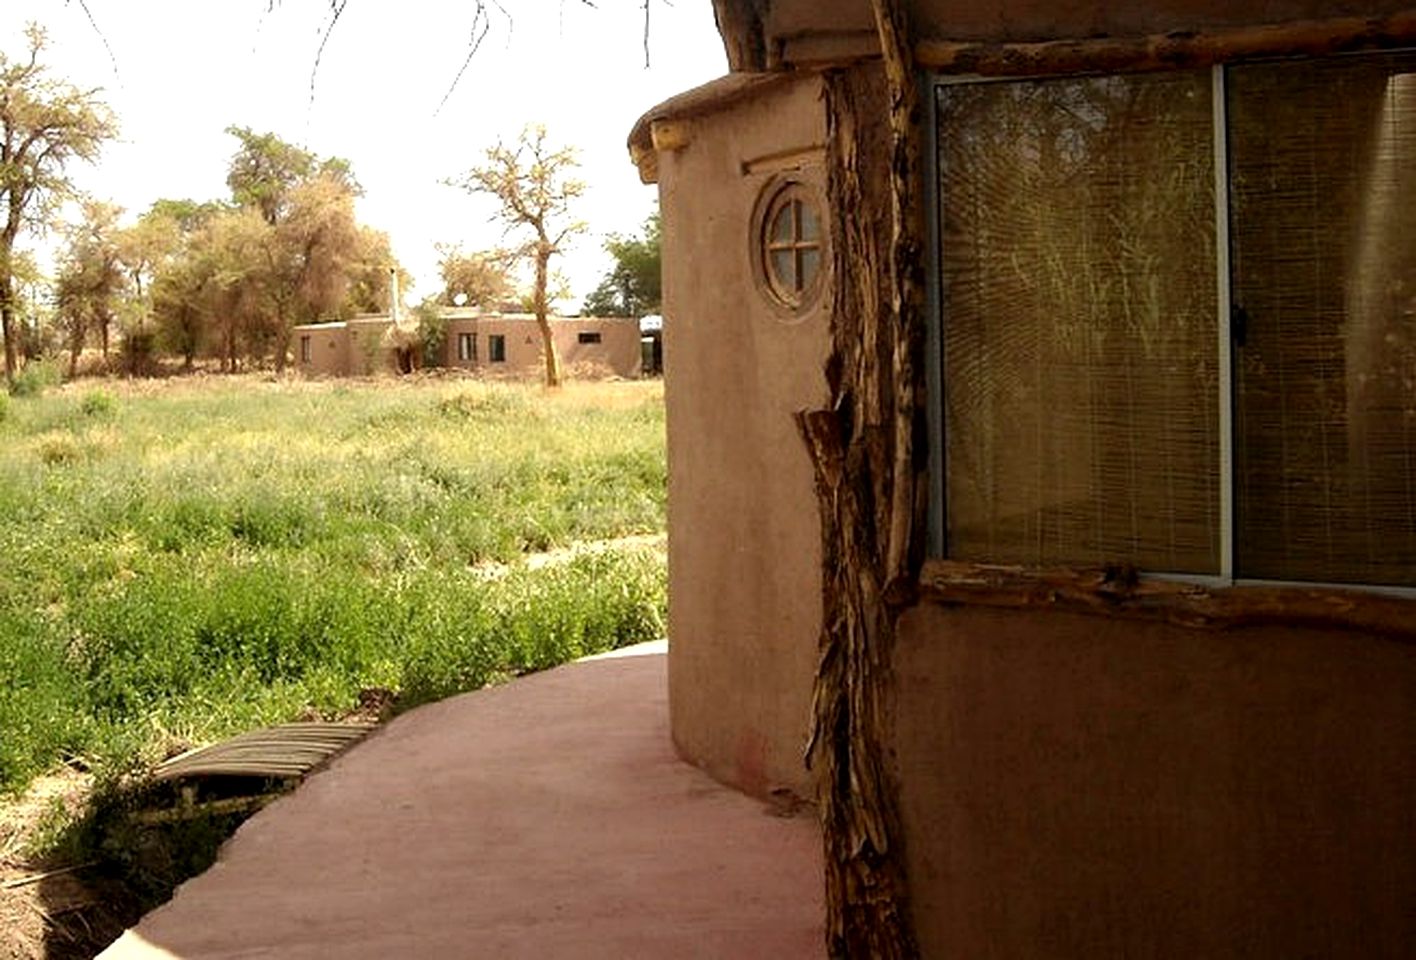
(393, 295)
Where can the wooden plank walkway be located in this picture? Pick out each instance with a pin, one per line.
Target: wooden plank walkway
(286, 751)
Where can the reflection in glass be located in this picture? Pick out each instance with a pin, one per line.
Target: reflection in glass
(784, 269)
(783, 224)
(793, 247)
(1080, 369)
(1323, 176)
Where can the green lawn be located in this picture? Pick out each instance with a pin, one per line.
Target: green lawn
(183, 559)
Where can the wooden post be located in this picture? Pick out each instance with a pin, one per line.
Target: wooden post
(868, 475)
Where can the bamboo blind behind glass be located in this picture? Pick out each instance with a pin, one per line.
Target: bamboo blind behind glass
(1323, 170)
(1080, 359)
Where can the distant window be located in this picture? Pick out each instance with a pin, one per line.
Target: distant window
(467, 347)
(590, 337)
(305, 348)
(496, 347)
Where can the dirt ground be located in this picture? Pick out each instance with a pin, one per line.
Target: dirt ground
(48, 909)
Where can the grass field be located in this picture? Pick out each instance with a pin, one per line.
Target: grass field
(183, 559)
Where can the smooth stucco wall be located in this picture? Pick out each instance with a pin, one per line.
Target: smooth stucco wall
(617, 353)
(367, 354)
(744, 546)
(329, 351)
(1024, 20)
(1082, 787)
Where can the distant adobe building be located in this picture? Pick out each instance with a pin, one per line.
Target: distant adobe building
(359, 347)
(491, 344)
(509, 344)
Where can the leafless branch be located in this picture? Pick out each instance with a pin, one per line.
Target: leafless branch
(83, 5)
(481, 24)
(336, 10)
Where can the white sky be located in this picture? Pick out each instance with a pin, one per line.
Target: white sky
(187, 69)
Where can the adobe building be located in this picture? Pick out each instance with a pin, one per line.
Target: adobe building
(1153, 690)
(509, 345)
(359, 347)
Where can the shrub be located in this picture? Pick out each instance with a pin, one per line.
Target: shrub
(36, 377)
(98, 405)
(58, 449)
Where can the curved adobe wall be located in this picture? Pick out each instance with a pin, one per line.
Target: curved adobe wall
(744, 552)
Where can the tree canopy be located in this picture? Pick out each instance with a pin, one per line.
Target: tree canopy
(482, 278)
(45, 124)
(634, 286)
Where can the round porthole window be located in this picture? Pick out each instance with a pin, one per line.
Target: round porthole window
(791, 247)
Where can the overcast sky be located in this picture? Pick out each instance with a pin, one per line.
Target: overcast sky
(181, 71)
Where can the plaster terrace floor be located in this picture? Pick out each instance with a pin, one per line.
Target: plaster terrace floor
(548, 817)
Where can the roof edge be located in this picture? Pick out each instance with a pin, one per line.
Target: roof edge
(708, 98)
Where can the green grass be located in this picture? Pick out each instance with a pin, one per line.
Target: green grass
(183, 560)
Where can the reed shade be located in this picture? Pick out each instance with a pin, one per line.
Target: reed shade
(1323, 200)
(1079, 332)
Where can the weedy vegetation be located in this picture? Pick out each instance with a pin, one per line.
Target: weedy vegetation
(180, 561)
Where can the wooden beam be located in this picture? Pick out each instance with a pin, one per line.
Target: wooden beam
(1119, 593)
(1176, 50)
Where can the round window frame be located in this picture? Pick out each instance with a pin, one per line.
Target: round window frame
(774, 196)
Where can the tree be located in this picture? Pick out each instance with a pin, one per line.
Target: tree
(178, 288)
(142, 249)
(44, 124)
(91, 279)
(265, 170)
(370, 282)
(634, 286)
(532, 183)
(307, 259)
(306, 255)
(480, 279)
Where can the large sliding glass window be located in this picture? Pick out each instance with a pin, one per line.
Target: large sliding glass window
(1323, 192)
(1123, 320)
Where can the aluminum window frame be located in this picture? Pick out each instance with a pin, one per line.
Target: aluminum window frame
(937, 533)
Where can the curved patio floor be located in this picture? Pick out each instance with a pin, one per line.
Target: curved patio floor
(548, 817)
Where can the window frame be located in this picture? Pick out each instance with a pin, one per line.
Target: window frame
(781, 192)
(305, 348)
(466, 346)
(589, 336)
(936, 533)
(496, 348)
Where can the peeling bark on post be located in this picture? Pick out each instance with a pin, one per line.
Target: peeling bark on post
(869, 478)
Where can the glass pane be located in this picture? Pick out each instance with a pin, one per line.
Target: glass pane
(810, 266)
(782, 226)
(810, 224)
(784, 277)
(1080, 367)
(1323, 170)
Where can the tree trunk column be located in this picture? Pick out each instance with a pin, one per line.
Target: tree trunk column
(7, 324)
(869, 477)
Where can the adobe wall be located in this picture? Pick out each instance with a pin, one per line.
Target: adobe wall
(367, 355)
(1074, 786)
(617, 354)
(744, 551)
(1032, 20)
(329, 351)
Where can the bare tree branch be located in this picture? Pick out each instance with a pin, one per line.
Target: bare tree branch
(83, 5)
(336, 8)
